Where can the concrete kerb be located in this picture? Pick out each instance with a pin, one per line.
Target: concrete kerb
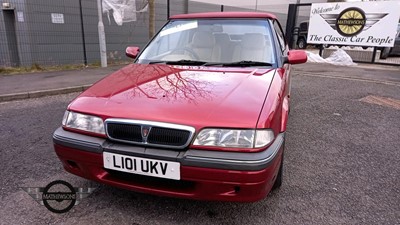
(42, 93)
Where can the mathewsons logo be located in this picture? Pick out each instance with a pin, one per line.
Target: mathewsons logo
(351, 21)
(58, 196)
(357, 23)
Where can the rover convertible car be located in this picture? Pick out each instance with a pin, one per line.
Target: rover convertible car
(200, 114)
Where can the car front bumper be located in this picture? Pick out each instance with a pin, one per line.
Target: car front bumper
(205, 175)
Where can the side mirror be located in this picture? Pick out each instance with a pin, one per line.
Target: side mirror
(132, 52)
(296, 57)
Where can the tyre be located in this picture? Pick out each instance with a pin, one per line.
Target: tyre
(302, 43)
(385, 53)
(279, 176)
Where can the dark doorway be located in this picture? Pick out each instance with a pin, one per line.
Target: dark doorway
(11, 35)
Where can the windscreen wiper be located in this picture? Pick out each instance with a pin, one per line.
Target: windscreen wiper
(243, 63)
(181, 62)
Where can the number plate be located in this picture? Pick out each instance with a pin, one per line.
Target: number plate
(143, 166)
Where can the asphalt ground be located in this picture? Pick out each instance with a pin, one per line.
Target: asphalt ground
(341, 162)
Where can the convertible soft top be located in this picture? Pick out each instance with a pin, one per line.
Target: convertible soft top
(225, 15)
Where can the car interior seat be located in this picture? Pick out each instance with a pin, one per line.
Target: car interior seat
(204, 44)
(253, 47)
(224, 41)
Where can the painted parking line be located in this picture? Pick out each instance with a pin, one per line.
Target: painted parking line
(393, 83)
(383, 101)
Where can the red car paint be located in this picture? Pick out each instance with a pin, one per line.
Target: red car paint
(194, 96)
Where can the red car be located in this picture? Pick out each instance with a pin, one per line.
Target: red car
(200, 114)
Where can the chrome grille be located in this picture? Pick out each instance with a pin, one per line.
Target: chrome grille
(149, 133)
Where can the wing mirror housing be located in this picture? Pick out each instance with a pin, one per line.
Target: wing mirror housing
(296, 57)
(132, 52)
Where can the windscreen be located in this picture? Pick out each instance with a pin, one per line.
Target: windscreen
(213, 41)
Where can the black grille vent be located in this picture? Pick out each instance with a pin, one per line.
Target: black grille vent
(125, 132)
(166, 136)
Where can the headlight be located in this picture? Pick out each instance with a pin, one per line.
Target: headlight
(83, 122)
(234, 138)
